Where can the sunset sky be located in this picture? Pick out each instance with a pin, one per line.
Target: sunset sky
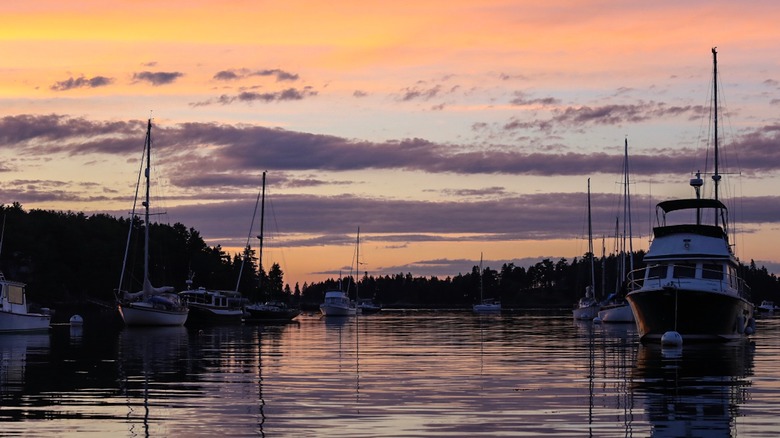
(443, 129)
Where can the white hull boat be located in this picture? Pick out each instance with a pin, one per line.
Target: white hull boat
(337, 303)
(152, 306)
(14, 310)
(487, 306)
(616, 314)
(149, 313)
(690, 285)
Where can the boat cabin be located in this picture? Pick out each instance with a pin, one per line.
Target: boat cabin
(12, 296)
(713, 275)
(209, 298)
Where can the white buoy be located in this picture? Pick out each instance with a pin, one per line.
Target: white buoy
(76, 320)
(751, 328)
(671, 338)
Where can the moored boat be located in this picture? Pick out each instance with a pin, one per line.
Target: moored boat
(152, 306)
(213, 306)
(485, 305)
(588, 307)
(270, 311)
(15, 314)
(690, 285)
(767, 306)
(367, 306)
(615, 308)
(337, 303)
(619, 312)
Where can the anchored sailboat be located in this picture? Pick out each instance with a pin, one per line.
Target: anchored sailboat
(587, 306)
(272, 310)
(152, 306)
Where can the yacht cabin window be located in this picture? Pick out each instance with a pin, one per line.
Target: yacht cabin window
(684, 270)
(656, 271)
(712, 271)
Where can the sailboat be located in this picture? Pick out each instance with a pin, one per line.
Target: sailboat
(273, 310)
(690, 288)
(337, 302)
(152, 306)
(587, 306)
(485, 305)
(616, 308)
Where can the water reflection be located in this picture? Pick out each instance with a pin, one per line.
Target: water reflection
(695, 390)
(149, 362)
(391, 374)
(16, 350)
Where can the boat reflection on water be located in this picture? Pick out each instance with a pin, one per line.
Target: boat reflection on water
(16, 350)
(147, 358)
(695, 390)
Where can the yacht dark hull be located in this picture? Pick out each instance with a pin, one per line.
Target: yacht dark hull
(204, 315)
(696, 315)
(271, 314)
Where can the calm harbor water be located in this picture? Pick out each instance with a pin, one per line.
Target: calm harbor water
(413, 373)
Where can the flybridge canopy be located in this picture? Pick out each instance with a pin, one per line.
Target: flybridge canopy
(684, 204)
(697, 206)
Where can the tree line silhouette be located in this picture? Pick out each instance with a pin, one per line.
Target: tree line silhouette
(69, 259)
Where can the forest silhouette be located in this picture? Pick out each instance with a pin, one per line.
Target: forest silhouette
(70, 260)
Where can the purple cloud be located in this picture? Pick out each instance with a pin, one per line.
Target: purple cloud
(157, 78)
(81, 82)
(235, 74)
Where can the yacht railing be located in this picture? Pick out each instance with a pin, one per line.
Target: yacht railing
(728, 284)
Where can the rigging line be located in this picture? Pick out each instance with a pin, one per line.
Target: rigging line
(270, 201)
(248, 239)
(132, 220)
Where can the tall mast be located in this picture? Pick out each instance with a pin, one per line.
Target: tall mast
(357, 265)
(480, 278)
(627, 213)
(260, 237)
(716, 175)
(147, 172)
(590, 247)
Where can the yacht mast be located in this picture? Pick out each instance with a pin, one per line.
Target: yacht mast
(716, 175)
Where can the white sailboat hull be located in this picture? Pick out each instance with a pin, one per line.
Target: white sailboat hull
(144, 314)
(618, 314)
(487, 307)
(586, 313)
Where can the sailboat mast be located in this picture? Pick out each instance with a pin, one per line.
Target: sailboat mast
(357, 266)
(260, 237)
(481, 298)
(147, 172)
(627, 212)
(590, 247)
(716, 175)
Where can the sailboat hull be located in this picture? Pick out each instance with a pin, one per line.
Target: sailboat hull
(143, 314)
(487, 307)
(617, 314)
(586, 313)
(696, 315)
